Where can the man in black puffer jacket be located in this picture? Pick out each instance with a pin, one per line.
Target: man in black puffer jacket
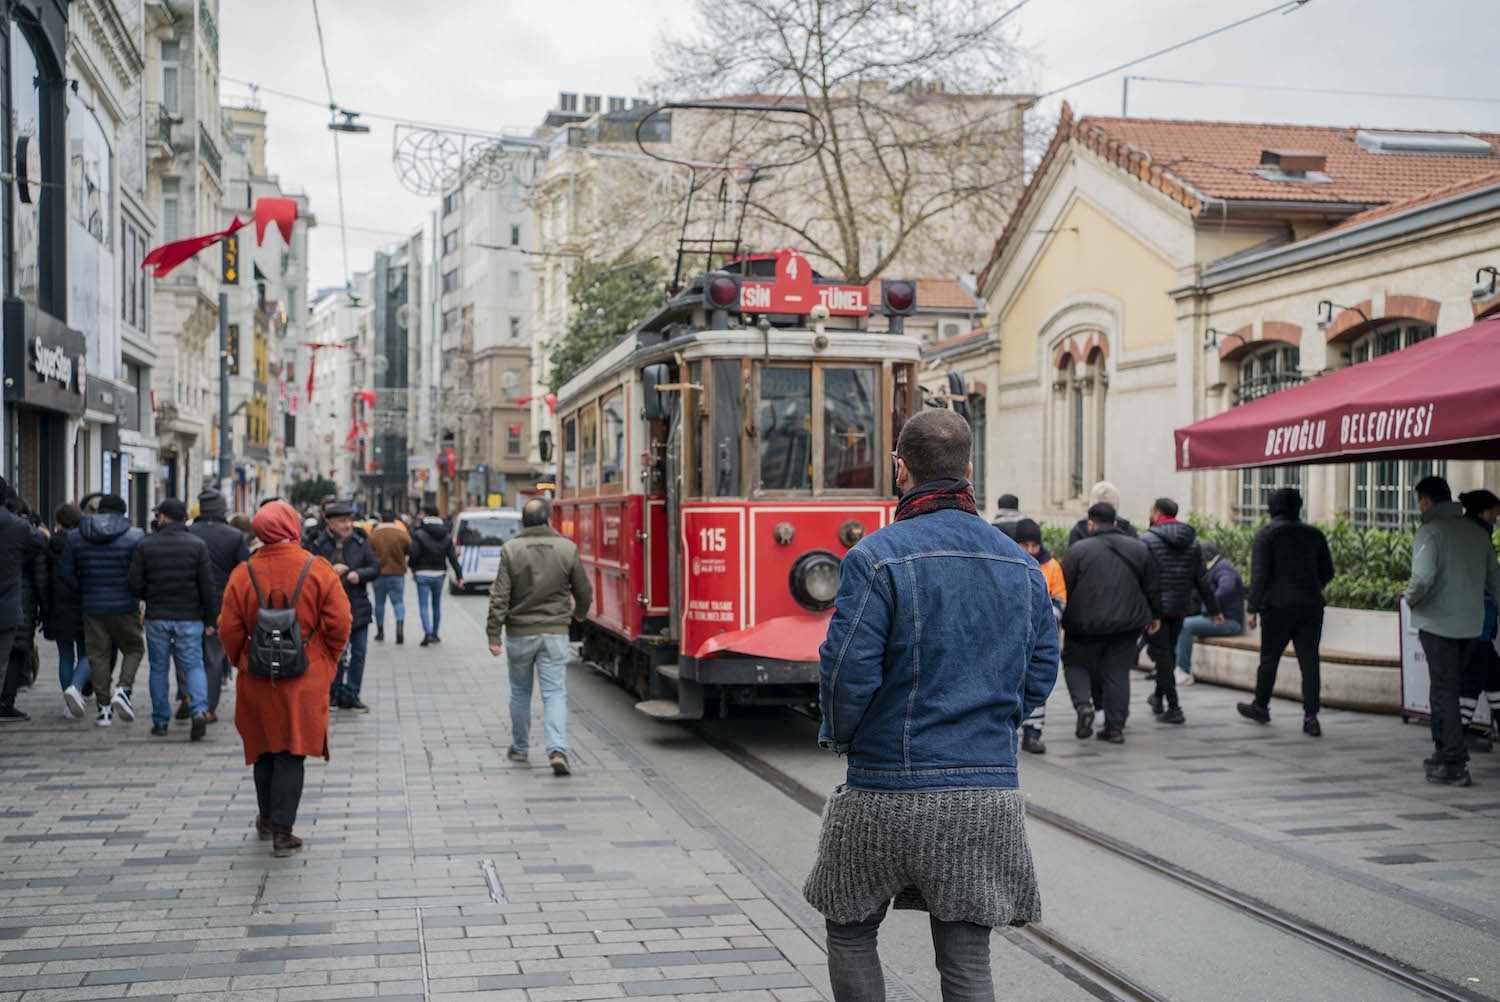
(432, 552)
(227, 549)
(32, 575)
(347, 547)
(64, 622)
(95, 564)
(1179, 567)
(1113, 595)
(172, 572)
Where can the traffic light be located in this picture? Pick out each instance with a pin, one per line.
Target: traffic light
(898, 300)
(721, 296)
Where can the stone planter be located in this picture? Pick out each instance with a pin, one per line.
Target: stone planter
(1360, 662)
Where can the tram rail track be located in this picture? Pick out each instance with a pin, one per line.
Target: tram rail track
(1094, 974)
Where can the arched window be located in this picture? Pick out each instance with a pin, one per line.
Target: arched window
(1269, 369)
(1077, 425)
(1380, 493)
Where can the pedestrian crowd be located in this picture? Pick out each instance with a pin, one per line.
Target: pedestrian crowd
(1119, 591)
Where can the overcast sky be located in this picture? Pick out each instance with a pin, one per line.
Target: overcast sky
(499, 64)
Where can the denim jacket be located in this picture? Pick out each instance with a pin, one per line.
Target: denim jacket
(942, 641)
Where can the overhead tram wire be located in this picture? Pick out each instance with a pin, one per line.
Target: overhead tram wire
(1338, 91)
(1285, 7)
(338, 168)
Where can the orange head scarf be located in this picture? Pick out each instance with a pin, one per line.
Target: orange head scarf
(277, 522)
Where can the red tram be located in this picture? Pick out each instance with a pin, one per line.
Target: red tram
(714, 467)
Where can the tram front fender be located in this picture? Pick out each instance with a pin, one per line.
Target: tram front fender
(784, 638)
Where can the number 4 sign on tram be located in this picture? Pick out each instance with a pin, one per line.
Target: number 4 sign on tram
(795, 292)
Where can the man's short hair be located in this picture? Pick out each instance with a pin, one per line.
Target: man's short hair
(388, 516)
(537, 511)
(1008, 501)
(430, 510)
(1165, 506)
(935, 444)
(1434, 489)
(113, 504)
(1102, 513)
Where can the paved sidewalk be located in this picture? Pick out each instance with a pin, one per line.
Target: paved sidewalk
(1354, 802)
(433, 869)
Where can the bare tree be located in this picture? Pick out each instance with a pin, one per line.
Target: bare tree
(918, 154)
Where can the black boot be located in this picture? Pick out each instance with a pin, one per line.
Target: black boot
(400, 632)
(380, 634)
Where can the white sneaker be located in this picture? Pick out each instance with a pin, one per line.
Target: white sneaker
(73, 701)
(104, 717)
(68, 713)
(1183, 677)
(121, 703)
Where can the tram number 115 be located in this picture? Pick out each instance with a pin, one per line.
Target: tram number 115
(712, 540)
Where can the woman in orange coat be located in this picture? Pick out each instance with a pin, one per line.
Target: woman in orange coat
(281, 725)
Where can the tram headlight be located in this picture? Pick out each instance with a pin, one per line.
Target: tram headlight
(815, 580)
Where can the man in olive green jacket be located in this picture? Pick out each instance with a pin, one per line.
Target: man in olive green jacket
(539, 585)
(1452, 566)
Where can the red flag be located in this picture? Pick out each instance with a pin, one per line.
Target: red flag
(281, 211)
(367, 397)
(515, 429)
(312, 363)
(168, 256)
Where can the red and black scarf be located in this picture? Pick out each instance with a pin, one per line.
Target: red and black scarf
(935, 495)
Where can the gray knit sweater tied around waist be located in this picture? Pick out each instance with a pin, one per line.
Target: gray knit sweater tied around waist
(962, 855)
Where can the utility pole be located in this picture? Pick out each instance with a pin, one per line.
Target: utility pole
(226, 447)
(1125, 97)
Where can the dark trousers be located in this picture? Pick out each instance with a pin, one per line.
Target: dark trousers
(1108, 658)
(1481, 679)
(17, 664)
(963, 960)
(1302, 627)
(278, 786)
(1445, 666)
(214, 664)
(1163, 647)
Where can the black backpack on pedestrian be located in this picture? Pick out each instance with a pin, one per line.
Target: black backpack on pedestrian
(276, 641)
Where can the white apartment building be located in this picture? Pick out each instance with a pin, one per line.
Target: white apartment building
(185, 189)
(338, 324)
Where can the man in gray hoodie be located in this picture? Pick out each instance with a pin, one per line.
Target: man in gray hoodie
(1452, 567)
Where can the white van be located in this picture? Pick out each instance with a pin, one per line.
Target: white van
(478, 534)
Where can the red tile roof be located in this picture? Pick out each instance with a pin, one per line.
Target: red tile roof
(937, 294)
(1190, 161)
(1453, 190)
(956, 339)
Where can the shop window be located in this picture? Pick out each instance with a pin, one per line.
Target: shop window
(1380, 493)
(612, 438)
(784, 428)
(849, 407)
(25, 129)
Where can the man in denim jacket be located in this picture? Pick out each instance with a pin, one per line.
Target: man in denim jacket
(941, 642)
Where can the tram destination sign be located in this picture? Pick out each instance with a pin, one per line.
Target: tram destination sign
(794, 291)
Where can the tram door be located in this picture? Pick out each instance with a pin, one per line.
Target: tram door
(664, 440)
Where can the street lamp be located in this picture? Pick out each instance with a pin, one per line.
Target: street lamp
(348, 123)
(1325, 313)
(1212, 335)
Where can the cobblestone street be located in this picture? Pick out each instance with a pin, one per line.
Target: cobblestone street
(433, 869)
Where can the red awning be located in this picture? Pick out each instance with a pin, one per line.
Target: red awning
(1439, 399)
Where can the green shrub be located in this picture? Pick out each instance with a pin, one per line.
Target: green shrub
(1371, 566)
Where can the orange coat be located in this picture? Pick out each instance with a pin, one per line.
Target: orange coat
(1056, 587)
(292, 715)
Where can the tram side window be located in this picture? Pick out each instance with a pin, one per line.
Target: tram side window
(849, 428)
(728, 408)
(784, 421)
(588, 447)
(612, 429)
(569, 464)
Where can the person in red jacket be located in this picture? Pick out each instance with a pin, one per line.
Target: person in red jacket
(282, 724)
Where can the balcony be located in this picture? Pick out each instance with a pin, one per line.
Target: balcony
(210, 29)
(1265, 384)
(209, 152)
(159, 132)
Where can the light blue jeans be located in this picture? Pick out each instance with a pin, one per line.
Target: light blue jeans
(392, 587)
(546, 656)
(184, 639)
(1201, 626)
(430, 592)
(72, 663)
